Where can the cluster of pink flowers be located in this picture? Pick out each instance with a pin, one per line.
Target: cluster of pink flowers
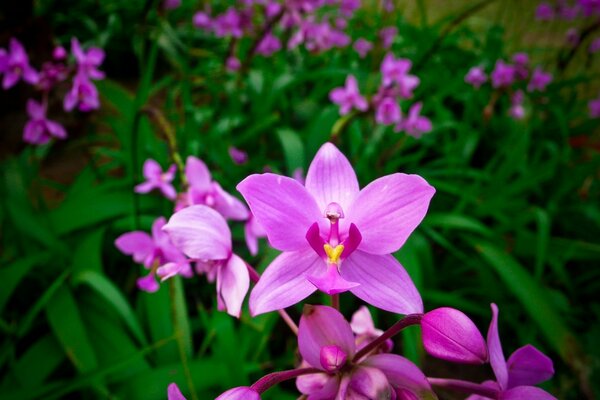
(571, 11)
(82, 68)
(334, 237)
(512, 78)
(396, 84)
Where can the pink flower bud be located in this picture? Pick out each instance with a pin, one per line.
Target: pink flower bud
(332, 358)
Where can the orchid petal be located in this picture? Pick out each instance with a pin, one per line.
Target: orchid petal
(368, 383)
(283, 207)
(56, 129)
(284, 281)
(144, 187)
(497, 359)
(200, 232)
(331, 282)
(168, 190)
(362, 323)
(173, 392)
(148, 284)
(528, 366)
(197, 174)
(319, 386)
(402, 373)
(233, 282)
(526, 393)
(35, 109)
(229, 206)
(384, 283)
(152, 170)
(240, 393)
(331, 178)
(137, 244)
(388, 209)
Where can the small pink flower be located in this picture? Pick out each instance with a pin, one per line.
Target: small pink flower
(157, 179)
(268, 45)
(414, 124)
(39, 129)
(233, 64)
(396, 71)
(15, 65)
(387, 36)
(88, 61)
(517, 111)
(503, 74)
(539, 80)
(388, 112)
(476, 77)
(348, 97)
(362, 46)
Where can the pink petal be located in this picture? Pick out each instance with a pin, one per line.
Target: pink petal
(168, 190)
(240, 393)
(30, 75)
(229, 206)
(384, 283)
(330, 281)
(144, 187)
(76, 50)
(351, 85)
(318, 386)
(152, 170)
(323, 326)
(338, 95)
(497, 359)
(284, 281)
(526, 393)
(35, 109)
(331, 178)
(197, 174)
(362, 323)
(10, 79)
(71, 99)
(171, 269)
(388, 209)
(450, 335)
(401, 373)
(200, 232)
(233, 282)
(33, 132)
(95, 55)
(368, 383)
(283, 207)
(528, 366)
(148, 284)
(137, 244)
(56, 129)
(173, 392)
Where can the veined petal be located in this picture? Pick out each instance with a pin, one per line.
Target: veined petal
(497, 359)
(197, 173)
(284, 281)
(330, 281)
(528, 366)
(173, 392)
(283, 207)
(384, 283)
(388, 209)
(323, 326)
(137, 244)
(331, 178)
(368, 383)
(526, 393)
(200, 232)
(233, 282)
(402, 373)
(240, 393)
(319, 386)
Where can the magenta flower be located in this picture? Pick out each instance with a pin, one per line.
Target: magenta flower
(517, 111)
(202, 20)
(59, 53)
(572, 37)
(202, 234)
(51, 74)
(233, 64)
(539, 80)
(88, 61)
(396, 70)
(594, 107)
(203, 190)
(503, 74)
(517, 377)
(590, 7)
(388, 112)
(387, 36)
(240, 393)
(157, 179)
(594, 46)
(348, 97)
(173, 392)
(362, 46)
(335, 237)
(228, 24)
(252, 232)
(326, 342)
(237, 156)
(83, 95)
(521, 62)
(171, 4)
(39, 129)
(544, 12)
(15, 65)
(414, 124)
(476, 77)
(152, 252)
(268, 45)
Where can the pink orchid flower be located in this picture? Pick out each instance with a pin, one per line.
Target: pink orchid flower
(202, 234)
(204, 190)
(362, 46)
(39, 129)
(539, 80)
(157, 179)
(88, 61)
(152, 252)
(476, 77)
(395, 70)
(326, 342)
(414, 124)
(348, 97)
(335, 237)
(515, 378)
(15, 65)
(252, 232)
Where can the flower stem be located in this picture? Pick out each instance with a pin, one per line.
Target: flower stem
(412, 319)
(335, 301)
(464, 387)
(274, 378)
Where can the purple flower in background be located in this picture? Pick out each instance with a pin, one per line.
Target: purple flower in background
(204, 190)
(396, 71)
(362, 46)
(572, 37)
(334, 236)
(171, 4)
(388, 112)
(272, 8)
(347, 7)
(88, 61)
(476, 77)
(202, 20)
(515, 378)
(39, 129)
(594, 107)
(233, 64)
(414, 124)
(153, 252)
(503, 74)
(363, 327)
(15, 65)
(268, 45)
(326, 342)
(59, 53)
(387, 36)
(228, 24)
(539, 80)
(594, 46)
(517, 111)
(238, 156)
(568, 13)
(521, 62)
(590, 7)
(544, 12)
(202, 234)
(157, 179)
(83, 95)
(173, 392)
(348, 97)
(252, 232)
(51, 74)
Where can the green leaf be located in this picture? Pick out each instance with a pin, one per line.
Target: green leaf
(12, 274)
(293, 149)
(39, 361)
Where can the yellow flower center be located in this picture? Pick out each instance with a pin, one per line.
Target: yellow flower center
(333, 253)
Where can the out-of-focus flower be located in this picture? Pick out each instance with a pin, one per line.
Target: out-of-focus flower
(396, 71)
(202, 234)
(268, 45)
(594, 46)
(39, 129)
(388, 112)
(414, 124)
(59, 53)
(521, 62)
(15, 65)
(233, 64)
(387, 36)
(88, 61)
(590, 7)
(51, 74)
(476, 77)
(238, 156)
(594, 107)
(544, 12)
(362, 46)
(348, 97)
(517, 111)
(503, 74)
(568, 13)
(202, 20)
(171, 4)
(83, 95)
(539, 80)
(157, 179)
(228, 24)
(335, 237)
(572, 37)
(347, 7)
